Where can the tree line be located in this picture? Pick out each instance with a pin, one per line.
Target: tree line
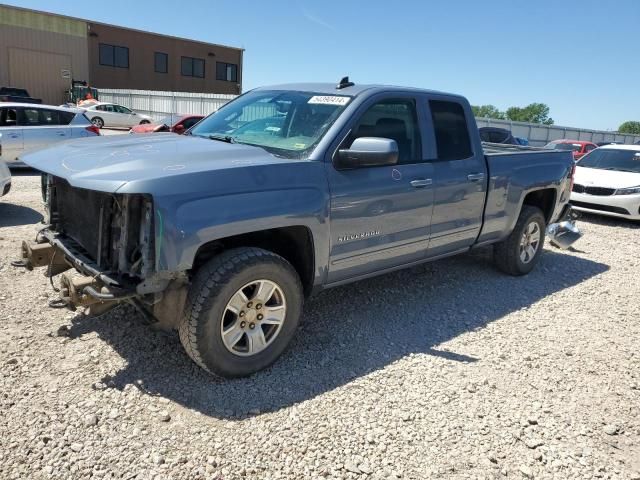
(536, 113)
(532, 113)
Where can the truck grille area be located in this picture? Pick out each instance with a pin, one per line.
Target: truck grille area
(78, 213)
(113, 231)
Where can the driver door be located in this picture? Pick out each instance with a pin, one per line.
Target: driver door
(381, 216)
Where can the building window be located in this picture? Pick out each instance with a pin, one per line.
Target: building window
(192, 67)
(161, 62)
(227, 72)
(114, 56)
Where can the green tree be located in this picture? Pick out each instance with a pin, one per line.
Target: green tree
(630, 127)
(532, 113)
(487, 111)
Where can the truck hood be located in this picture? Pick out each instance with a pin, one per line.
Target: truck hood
(109, 163)
(605, 178)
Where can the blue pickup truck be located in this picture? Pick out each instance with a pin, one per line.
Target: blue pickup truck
(223, 232)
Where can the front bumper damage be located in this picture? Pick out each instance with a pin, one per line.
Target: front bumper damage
(84, 285)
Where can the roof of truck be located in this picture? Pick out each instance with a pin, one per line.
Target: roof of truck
(355, 90)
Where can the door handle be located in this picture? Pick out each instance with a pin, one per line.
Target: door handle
(421, 183)
(61, 134)
(475, 177)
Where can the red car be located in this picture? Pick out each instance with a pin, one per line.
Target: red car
(578, 147)
(171, 123)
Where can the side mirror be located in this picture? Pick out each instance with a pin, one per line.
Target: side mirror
(179, 129)
(368, 152)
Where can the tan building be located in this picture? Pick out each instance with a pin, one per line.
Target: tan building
(42, 52)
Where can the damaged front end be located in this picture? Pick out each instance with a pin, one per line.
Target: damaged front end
(108, 241)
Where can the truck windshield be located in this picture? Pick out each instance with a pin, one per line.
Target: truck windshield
(612, 159)
(286, 123)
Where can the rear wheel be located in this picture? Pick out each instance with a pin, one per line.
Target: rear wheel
(98, 122)
(242, 311)
(520, 251)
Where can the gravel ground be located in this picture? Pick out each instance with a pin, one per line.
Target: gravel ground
(449, 370)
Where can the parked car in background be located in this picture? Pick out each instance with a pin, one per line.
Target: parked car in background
(253, 210)
(171, 123)
(497, 135)
(104, 114)
(5, 177)
(578, 147)
(29, 127)
(602, 144)
(522, 141)
(607, 182)
(16, 95)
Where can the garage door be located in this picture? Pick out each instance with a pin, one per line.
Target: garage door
(40, 73)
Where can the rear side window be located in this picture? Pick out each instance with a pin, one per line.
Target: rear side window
(28, 117)
(55, 117)
(450, 125)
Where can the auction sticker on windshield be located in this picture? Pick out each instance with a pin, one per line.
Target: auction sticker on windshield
(329, 100)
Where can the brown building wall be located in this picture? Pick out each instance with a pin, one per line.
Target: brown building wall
(141, 73)
(34, 50)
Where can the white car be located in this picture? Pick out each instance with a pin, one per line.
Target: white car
(112, 115)
(5, 179)
(25, 127)
(607, 182)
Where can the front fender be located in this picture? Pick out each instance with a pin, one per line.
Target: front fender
(182, 226)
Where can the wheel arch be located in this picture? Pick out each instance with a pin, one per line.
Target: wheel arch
(294, 243)
(544, 199)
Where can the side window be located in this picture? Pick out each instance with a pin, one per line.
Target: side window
(395, 119)
(109, 108)
(121, 109)
(8, 117)
(450, 125)
(189, 122)
(66, 117)
(28, 117)
(590, 147)
(49, 117)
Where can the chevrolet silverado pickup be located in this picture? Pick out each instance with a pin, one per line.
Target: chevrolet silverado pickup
(222, 233)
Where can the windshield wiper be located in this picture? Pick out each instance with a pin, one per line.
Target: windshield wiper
(222, 138)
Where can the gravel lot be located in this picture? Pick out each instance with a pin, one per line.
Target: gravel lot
(449, 370)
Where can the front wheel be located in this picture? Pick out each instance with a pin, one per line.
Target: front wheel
(520, 251)
(242, 311)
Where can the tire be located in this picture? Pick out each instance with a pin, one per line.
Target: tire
(98, 122)
(508, 254)
(209, 310)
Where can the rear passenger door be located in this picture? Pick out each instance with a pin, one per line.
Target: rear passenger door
(460, 178)
(11, 138)
(380, 216)
(42, 127)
